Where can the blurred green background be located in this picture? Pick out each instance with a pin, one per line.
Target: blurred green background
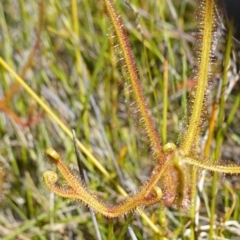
(74, 70)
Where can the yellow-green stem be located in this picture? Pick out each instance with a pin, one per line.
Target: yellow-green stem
(193, 201)
(202, 75)
(165, 100)
(213, 205)
(79, 62)
(208, 165)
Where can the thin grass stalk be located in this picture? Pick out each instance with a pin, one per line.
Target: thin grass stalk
(111, 229)
(225, 73)
(193, 201)
(127, 222)
(84, 178)
(162, 215)
(52, 115)
(6, 41)
(234, 196)
(79, 62)
(211, 127)
(165, 99)
(213, 205)
(24, 20)
(220, 132)
(27, 225)
(184, 77)
(233, 112)
(68, 132)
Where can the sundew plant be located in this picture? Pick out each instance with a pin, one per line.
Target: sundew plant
(80, 73)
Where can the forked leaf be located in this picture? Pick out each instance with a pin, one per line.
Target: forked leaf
(76, 190)
(167, 182)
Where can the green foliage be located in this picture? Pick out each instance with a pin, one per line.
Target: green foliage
(73, 75)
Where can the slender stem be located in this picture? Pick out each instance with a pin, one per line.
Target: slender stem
(127, 222)
(193, 201)
(211, 126)
(208, 165)
(165, 99)
(202, 75)
(213, 205)
(225, 73)
(79, 62)
(154, 139)
(110, 229)
(134, 79)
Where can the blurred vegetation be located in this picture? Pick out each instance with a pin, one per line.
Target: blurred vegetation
(73, 69)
